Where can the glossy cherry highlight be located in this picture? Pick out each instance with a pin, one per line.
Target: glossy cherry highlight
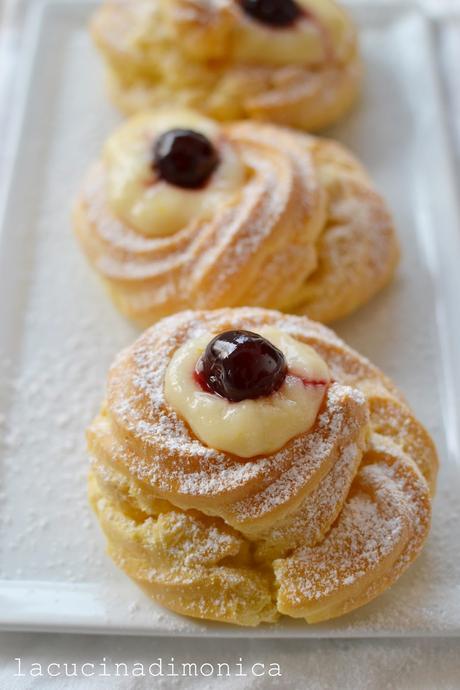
(241, 365)
(184, 158)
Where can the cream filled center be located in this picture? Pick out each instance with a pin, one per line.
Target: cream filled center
(249, 427)
(150, 205)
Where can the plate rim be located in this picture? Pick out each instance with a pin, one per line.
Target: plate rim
(34, 621)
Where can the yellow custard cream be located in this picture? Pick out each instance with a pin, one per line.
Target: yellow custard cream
(307, 42)
(150, 205)
(250, 427)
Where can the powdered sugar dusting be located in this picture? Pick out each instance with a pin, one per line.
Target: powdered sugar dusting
(210, 262)
(172, 457)
(379, 527)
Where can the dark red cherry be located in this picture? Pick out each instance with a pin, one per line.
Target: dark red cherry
(240, 364)
(279, 13)
(184, 158)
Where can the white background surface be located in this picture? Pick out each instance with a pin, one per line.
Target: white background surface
(328, 664)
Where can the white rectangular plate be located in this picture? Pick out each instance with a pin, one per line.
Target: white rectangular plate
(59, 333)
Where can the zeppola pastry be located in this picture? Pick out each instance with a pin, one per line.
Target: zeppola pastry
(294, 62)
(181, 212)
(247, 463)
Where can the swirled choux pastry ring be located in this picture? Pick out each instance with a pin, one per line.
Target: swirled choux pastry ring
(247, 464)
(181, 212)
(294, 62)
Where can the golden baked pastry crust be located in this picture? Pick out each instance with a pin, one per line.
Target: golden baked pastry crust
(211, 56)
(314, 530)
(304, 232)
